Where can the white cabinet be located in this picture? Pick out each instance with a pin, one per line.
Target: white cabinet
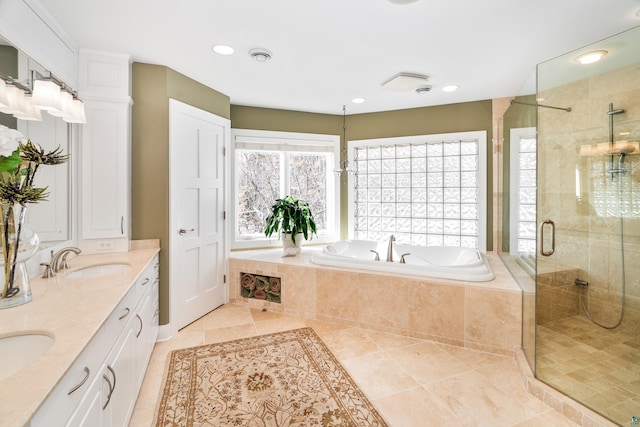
(105, 152)
(102, 386)
(120, 369)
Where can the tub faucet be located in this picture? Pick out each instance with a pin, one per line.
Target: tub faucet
(390, 249)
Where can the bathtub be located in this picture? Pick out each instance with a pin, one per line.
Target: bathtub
(443, 262)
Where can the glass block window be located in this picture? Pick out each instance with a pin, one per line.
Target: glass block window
(611, 195)
(523, 160)
(425, 190)
(271, 165)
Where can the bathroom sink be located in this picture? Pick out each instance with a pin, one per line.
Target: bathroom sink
(98, 270)
(19, 351)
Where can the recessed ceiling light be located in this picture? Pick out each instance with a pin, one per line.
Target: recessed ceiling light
(450, 88)
(358, 100)
(223, 49)
(259, 54)
(591, 57)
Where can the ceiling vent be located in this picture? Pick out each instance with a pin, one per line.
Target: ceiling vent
(260, 55)
(404, 82)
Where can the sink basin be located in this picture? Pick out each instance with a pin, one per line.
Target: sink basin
(98, 270)
(19, 351)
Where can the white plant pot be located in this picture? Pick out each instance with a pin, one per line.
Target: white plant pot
(290, 248)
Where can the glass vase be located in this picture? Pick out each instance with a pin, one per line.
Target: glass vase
(18, 243)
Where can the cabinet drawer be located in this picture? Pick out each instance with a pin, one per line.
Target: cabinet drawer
(148, 278)
(68, 393)
(120, 316)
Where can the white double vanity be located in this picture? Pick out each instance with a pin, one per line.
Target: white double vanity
(103, 324)
(82, 345)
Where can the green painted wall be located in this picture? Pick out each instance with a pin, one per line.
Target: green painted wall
(152, 86)
(8, 67)
(468, 116)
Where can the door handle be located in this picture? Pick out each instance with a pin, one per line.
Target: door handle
(553, 237)
(183, 231)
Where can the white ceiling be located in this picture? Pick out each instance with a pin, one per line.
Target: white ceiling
(326, 52)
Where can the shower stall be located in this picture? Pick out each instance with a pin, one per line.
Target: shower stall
(581, 331)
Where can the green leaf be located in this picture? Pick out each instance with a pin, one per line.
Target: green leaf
(10, 163)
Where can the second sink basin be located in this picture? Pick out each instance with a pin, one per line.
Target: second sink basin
(19, 351)
(98, 270)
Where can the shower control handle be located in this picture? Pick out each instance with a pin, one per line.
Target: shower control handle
(550, 223)
(377, 254)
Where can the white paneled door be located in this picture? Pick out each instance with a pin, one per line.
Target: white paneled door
(196, 239)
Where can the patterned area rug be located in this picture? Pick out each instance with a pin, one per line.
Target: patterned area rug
(284, 379)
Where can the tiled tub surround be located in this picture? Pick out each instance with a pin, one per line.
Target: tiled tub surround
(71, 311)
(479, 315)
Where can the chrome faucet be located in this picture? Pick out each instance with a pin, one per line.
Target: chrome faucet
(390, 249)
(59, 260)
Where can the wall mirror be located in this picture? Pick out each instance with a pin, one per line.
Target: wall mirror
(50, 218)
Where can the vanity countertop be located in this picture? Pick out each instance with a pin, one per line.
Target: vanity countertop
(72, 312)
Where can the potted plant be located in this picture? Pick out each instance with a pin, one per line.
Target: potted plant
(292, 218)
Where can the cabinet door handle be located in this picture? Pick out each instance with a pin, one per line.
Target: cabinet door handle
(553, 237)
(87, 372)
(104, 377)
(141, 325)
(126, 313)
(146, 280)
(122, 225)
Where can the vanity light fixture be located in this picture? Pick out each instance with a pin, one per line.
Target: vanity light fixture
(222, 49)
(46, 96)
(450, 88)
(15, 96)
(29, 112)
(53, 95)
(77, 114)
(591, 57)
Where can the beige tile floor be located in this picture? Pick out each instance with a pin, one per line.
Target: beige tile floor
(599, 367)
(412, 382)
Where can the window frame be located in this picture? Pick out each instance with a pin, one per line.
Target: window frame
(515, 136)
(279, 140)
(480, 136)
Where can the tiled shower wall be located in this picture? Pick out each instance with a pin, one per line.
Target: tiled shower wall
(588, 239)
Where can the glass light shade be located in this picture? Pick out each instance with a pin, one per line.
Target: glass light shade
(66, 99)
(15, 96)
(4, 101)
(77, 115)
(29, 112)
(46, 96)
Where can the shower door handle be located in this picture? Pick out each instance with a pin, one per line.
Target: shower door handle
(553, 237)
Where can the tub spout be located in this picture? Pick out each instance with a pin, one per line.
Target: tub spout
(390, 249)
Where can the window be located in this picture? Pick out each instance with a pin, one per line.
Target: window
(426, 190)
(271, 165)
(522, 197)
